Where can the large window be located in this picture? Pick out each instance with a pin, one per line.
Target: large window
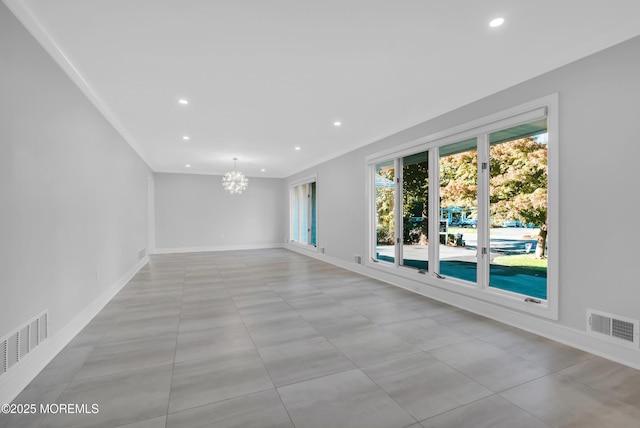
(472, 209)
(303, 213)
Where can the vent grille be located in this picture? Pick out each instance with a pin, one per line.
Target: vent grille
(622, 329)
(20, 342)
(3, 357)
(613, 327)
(13, 354)
(601, 324)
(34, 339)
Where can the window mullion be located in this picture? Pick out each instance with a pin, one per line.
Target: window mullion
(308, 222)
(398, 226)
(434, 211)
(484, 220)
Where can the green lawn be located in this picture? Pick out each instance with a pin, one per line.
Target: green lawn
(463, 230)
(527, 260)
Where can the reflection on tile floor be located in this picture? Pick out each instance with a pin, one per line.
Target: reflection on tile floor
(271, 338)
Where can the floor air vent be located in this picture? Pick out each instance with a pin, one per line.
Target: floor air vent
(613, 327)
(17, 344)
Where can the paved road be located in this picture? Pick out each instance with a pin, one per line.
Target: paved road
(509, 240)
(504, 241)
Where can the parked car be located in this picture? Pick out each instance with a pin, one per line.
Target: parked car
(469, 222)
(511, 223)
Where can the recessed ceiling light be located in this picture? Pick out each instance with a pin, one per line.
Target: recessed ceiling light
(262, 170)
(337, 123)
(496, 22)
(188, 166)
(183, 101)
(185, 137)
(297, 148)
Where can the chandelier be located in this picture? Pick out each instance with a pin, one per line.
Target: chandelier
(234, 181)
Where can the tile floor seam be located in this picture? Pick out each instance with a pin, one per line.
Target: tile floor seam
(285, 407)
(377, 361)
(459, 407)
(496, 394)
(600, 391)
(325, 337)
(460, 372)
(175, 352)
(255, 347)
(525, 410)
(320, 335)
(592, 356)
(529, 361)
(315, 377)
(41, 419)
(389, 395)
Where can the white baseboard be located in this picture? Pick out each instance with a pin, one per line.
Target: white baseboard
(216, 248)
(25, 370)
(551, 330)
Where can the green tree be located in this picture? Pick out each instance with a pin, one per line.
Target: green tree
(384, 209)
(519, 184)
(459, 180)
(415, 198)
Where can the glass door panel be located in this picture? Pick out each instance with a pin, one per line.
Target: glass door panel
(385, 215)
(303, 190)
(518, 209)
(415, 209)
(312, 211)
(295, 228)
(458, 165)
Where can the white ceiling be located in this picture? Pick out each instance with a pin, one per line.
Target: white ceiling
(265, 76)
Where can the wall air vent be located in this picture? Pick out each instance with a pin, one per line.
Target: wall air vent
(614, 328)
(21, 341)
(3, 357)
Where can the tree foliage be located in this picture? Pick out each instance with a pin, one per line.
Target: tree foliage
(385, 209)
(415, 192)
(519, 181)
(459, 180)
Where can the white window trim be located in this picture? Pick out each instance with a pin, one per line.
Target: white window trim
(510, 117)
(292, 185)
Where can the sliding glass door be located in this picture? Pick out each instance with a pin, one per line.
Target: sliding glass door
(303, 213)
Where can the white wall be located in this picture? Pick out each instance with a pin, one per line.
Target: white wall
(194, 213)
(599, 154)
(73, 194)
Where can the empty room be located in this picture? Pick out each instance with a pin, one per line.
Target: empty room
(297, 213)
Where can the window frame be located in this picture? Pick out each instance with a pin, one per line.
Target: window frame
(311, 211)
(546, 106)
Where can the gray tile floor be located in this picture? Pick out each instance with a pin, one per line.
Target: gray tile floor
(270, 338)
